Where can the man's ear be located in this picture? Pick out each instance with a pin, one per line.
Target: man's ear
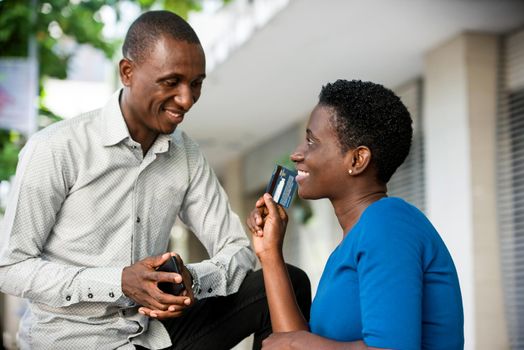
(358, 160)
(125, 68)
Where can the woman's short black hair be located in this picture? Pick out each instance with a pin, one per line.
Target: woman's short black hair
(149, 27)
(368, 114)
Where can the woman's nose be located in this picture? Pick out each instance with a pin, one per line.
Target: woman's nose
(296, 156)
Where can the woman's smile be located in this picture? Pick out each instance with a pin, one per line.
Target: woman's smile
(302, 175)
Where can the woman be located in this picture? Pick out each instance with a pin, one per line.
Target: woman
(391, 282)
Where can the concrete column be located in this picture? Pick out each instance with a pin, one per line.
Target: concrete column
(459, 125)
(232, 181)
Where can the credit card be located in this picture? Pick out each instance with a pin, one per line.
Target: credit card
(282, 185)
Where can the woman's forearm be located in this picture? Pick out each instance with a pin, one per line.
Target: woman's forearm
(285, 313)
(305, 340)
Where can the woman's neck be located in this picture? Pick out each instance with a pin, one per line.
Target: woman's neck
(349, 209)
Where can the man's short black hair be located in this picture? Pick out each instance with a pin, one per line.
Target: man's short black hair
(368, 114)
(149, 27)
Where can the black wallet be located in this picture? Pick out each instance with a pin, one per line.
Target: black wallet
(171, 265)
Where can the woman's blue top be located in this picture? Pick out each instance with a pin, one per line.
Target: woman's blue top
(392, 283)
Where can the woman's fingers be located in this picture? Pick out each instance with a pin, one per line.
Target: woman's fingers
(274, 210)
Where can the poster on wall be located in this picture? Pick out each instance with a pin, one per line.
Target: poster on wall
(18, 94)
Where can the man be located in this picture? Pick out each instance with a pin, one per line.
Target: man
(93, 203)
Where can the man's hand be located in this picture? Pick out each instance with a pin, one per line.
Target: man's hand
(140, 283)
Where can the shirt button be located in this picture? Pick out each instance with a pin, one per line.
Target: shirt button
(90, 295)
(68, 298)
(138, 219)
(111, 294)
(210, 290)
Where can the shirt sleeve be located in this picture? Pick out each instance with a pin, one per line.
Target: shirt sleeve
(38, 191)
(207, 213)
(390, 274)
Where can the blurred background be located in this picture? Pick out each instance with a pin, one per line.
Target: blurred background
(457, 64)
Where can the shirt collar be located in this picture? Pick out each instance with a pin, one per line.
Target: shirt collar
(162, 143)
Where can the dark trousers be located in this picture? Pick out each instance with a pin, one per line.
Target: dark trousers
(222, 322)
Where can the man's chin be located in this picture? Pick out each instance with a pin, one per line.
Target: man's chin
(169, 129)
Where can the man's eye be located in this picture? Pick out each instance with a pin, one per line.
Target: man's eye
(170, 83)
(309, 141)
(197, 83)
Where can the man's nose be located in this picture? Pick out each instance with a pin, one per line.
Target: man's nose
(184, 98)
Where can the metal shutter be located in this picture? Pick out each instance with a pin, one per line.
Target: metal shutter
(510, 182)
(408, 182)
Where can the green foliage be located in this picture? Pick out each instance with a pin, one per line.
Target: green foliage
(182, 8)
(10, 144)
(14, 27)
(50, 23)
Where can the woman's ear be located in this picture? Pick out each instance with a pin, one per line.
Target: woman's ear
(125, 68)
(358, 160)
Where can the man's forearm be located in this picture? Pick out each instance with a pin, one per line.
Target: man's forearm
(59, 285)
